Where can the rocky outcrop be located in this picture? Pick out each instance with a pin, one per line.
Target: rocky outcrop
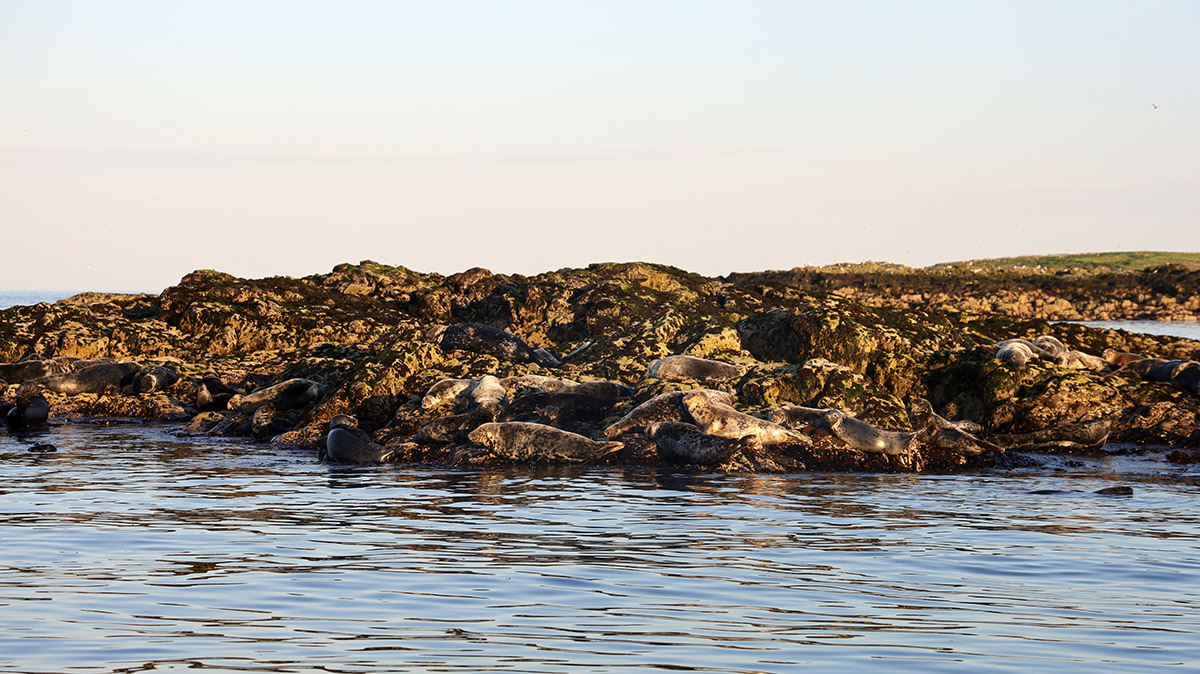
(367, 340)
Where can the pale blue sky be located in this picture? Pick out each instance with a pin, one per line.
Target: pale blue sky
(142, 140)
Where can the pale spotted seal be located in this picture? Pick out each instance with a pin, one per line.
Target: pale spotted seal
(96, 378)
(662, 407)
(487, 390)
(520, 383)
(1081, 436)
(938, 432)
(455, 427)
(522, 441)
(1051, 345)
(719, 419)
(680, 442)
(493, 341)
(1119, 358)
(1078, 360)
(865, 437)
(445, 390)
(798, 417)
(152, 378)
(683, 368)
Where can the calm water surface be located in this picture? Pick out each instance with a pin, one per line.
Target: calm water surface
(132, 550)
(1174, 329)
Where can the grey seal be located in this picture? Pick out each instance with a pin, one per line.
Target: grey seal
(662, 407)
(798, 417)
(1078, 360)
(455, 427)
(29, 409)
(680, 442)
(96, 378)
(445, 390)
(1081, 436)
(938, 432)
(524, 441)
(347, 443)
(1119, 358)
(715, 418)
(487, 390)
(212, 394)
(493, 341)
(684, 367)
(153, 378)
(865, 437)
(286, 395)
(1051, 345)
(520, 383)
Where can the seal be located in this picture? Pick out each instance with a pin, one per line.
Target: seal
(1082, 436)
(286, 395)
(684, 368)
(1015, 353)
(722, 420)
(557, 408)
(153, 378)
(212, 395)
(663, 407)
(683, 443)
(525, 382)
(1078, 360)
(799, 418)
(1051, 345)
(487, 390)
(30, 408)
(493, 341)
(455, 427)
(866, 438)
(604, 390)
(347, 443)
(938, 432)
(522, 441)
(445, 390)
(96, 378)
(1119, 358)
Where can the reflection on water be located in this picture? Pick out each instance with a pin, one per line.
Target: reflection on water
(1189, 330)
(130, 550)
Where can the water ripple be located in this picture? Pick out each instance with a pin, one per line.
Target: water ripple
(131, 550)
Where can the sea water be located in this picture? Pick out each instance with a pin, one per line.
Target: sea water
(130, 549)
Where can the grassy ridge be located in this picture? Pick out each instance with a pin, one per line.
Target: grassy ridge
(1128, 260)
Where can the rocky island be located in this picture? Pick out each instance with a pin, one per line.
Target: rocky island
(855, 367)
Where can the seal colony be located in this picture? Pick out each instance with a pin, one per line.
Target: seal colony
(369, 365)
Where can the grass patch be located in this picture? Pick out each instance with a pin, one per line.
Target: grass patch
(1128, 260)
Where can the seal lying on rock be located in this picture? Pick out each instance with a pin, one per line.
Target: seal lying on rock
(939, 432)
(1119, 358)
(96, 378)
(866, 438)
(683, 368)
(718, 419)
(683, 443)
(798, 417)
(519, 383)
(495, 342)
(445, 390)
(663, 407)
(212, 395)
(153, 378)
(1182, 373)
(486, 391)
(288, 395)
(1082, 436)
(455, 427)
(522, 441)
(347, 443)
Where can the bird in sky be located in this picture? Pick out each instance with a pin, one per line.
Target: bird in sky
(1154, 105)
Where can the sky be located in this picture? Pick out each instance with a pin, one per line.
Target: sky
(141, 140)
